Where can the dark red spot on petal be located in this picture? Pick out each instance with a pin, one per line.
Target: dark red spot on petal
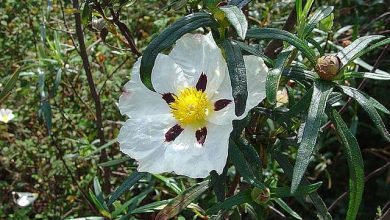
(173, 133)
(202, 82)
(168, 97)
(220, 104)
(201, 135)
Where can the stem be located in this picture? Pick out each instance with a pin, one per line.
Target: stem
(94, 94)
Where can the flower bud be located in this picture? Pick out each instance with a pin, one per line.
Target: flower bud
(260, 196)
(328, 66)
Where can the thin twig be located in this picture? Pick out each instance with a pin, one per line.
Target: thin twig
(94, 94)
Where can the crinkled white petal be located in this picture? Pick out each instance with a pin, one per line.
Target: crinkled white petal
(137, 101)
(256, 73)
(197, 54)
(144, 140)
(187, 157)
(6, 115)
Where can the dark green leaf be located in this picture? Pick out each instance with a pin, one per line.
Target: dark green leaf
(218, 182)
(317, 16)
(237, 19)
(129, 182)
(86, 15)
(287, 208)
(347, 54)
(299, 107)
(298, 73)
(369, 106)
(281, 192)
(133, 201)
(98, 192)
(239, 198)
(9, 85)
(272, 33)
(314, 197)
(254, 51)
(151, 207)
(167, 38)
(114, 162)
(237, 73)
(368, 75)
(176, 205)
(239, 3)
(321, 92)
(355, 164)
(251, 156)
(273, 77)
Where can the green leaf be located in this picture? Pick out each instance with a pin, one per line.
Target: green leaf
(114, 162)
(273, 77)
(314, 197)
(133, 201)
(281, 192)
(237, 19)
(169, 182)
(104, 146)
(273, 33)
(86, 15)
(167, 38)
(237, 73)
(9, 85)
(317, 16)
(254, 51)
(326, 24)
(176, 205)
(98, 192)
(298, 73)
(246, 170)
(347, 54)
(287, 208)
(368, 75)
(355, 164)
(251, 156)
(218, 183)
(239, 198)
(102, 209)
(129, 182)
(369, 106)
(366, 50)
(239, 3)
(321, 92)
(151, 207)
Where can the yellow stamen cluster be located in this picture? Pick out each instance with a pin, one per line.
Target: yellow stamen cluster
(191, 107)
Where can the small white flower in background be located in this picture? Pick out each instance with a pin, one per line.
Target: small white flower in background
(281, 97)
(185, 126)
(24, 199)
(6, 115)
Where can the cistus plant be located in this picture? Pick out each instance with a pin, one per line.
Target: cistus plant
(219, 108)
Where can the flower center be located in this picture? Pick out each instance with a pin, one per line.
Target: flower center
(191, 107)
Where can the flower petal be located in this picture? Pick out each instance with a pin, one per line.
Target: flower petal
(197, 54)
(256, 73)
(144, 140)
(136, 100)
(188, 157)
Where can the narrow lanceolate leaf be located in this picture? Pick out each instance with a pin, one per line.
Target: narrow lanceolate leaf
(182, 201)
(273, 33)
(299, 74)
(254, 51)
(218, 183)
(313, 124)
(369, 106)
(237, 19)
(366, 50)
(287, 208)
(239, 3)
(281, 192)
(98, 192)
(129, 182)
(237, 73)
(355, 47)
(243, 167)
(317, 16)
(239, 198)
(167, 38)
(368, 75)
(251, 156)
(9, 85)
(355, 164)
(273, 77)
(314, 197)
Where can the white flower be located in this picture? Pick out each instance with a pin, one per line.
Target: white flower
(24, 199)
(6, 115)
(185, 126)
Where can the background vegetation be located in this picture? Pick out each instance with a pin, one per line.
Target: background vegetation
(52, 147)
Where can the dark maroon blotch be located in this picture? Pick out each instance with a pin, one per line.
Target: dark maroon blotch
(173, 133)
(168, 97)
(201, 135)
(220, 104)
(202, 82)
